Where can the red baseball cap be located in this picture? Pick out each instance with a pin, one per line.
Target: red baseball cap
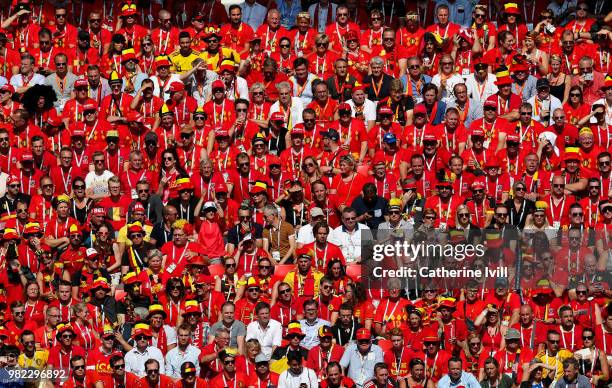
(363, 334)
(176, 87)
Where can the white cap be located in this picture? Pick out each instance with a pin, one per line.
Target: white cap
(210, 205)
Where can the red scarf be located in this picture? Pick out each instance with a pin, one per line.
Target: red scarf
(308, 288)
(162, 340)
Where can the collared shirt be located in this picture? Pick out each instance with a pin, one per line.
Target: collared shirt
(269, 337)
(467, 380)
(175, 358)
(480, 92)
(312, 332)
(349, 243)
(360, 368)
(135, 360)
(253, 15)
(528, 89)
(550, 104)
(459, 11)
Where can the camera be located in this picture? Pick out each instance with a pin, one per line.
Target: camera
(588, 77)
(550, 28)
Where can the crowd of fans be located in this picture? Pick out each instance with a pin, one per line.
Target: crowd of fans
(187, 188)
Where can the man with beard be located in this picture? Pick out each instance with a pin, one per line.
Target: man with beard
(183, 352)
(8, 202)
(468, 109)
(370, 207)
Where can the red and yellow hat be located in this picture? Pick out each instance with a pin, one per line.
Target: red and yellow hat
(141, 329)
(129, 10)
(192, 307)
(63, 328)
(511, 8)
(156, 309)
(295, 328)
(131, 278)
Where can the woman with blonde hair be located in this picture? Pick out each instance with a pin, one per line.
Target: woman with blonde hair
(537, 59)
(372, 37)
(447, 78)
(560, 83)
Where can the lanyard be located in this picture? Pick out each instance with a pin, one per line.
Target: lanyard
(552, 212)
(573, 331)
(182, 254)
(392, 311)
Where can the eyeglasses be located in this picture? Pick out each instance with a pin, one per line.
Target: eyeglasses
(430, 217)
(136, 235)
(474, 343)
(169, 159)
(322, 44)
(519, 189)
(588, 337)
(285, 291)
(143, 191)
(230, 265)
(253, 289)
(119, 366)
(141, 338)
(575, 94)
(446, 63)
(66, 336)
(526, 113)
(582, 9)
(479, 15)
(342, 14)
(94, 20)
(199, 117)
(19, 313)
(558, 185)
(152, 371)
(349, 218)
(61, 15)
(14, 186)
(242, 110)
(47, 186)
(243, 164)
(577, 214)
(395, 212)
(462, 215)
(501, 214)
(264, 266)
(78, 367)
(604, 163)
(258, 93)
(60, 64)
(285, 46)
(229, 362)
(581, 292)
(176, 287)
(553, 341)
(96, 161)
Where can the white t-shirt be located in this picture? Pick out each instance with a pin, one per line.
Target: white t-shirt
(98, 183)
(369, 110)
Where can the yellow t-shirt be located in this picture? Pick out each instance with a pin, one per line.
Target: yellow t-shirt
(122, 236)
(38, 360)
(556, 361)
(301, 280)
(214, 61)
(181, 63)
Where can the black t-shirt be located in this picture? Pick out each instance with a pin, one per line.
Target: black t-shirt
(378, 209)
(236, 233)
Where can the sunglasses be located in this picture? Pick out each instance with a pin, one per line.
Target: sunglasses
(152, 371)
(119, 366)
(141, 338)
(230, 265)
(588, 337)
(78, 367)
(199, 117)
(264, 266)
(464, 215)
(285, 46)
(285, 291)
